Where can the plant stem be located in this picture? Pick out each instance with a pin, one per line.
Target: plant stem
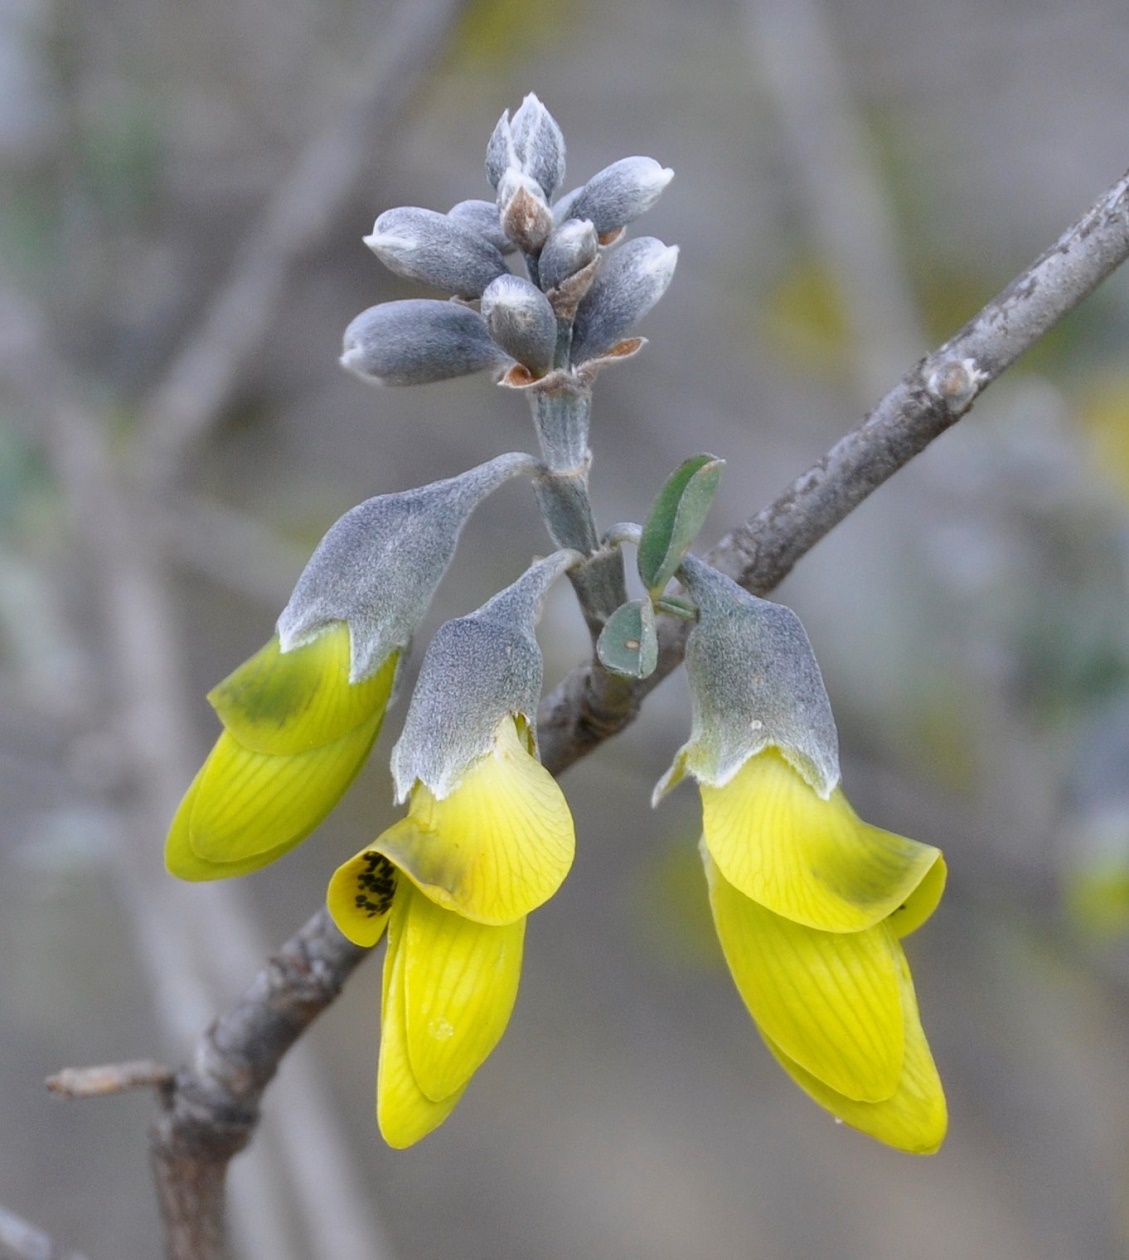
(561, 415)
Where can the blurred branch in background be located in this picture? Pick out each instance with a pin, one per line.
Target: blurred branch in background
(840, 192)
(205, 372)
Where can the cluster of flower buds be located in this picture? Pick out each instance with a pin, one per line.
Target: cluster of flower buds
(581, 291)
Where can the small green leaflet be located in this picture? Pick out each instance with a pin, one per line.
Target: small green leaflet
(628, 644)
(676, 518)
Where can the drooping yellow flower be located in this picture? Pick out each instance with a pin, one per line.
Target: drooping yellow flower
(296, 731)
(453, 883)
(302, 714)
(809, 902)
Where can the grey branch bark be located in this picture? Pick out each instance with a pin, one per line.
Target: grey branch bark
(212, 1110)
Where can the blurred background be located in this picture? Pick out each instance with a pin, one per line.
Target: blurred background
(184, 191)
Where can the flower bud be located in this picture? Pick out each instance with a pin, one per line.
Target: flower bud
(530, 144)
(539, 144)
(378, 566)
(526, 217)
(435, 249)
(754, 684)
(631, 280)
(520, 319)
(482, 217)
(478, 669)
(569, 249)
(620, 193)
(418, 341)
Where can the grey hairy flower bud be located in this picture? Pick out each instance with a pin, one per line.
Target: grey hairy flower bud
(378, 566)
(619, 193)
(630, 282)
(418, 341)
(435, 249)
(569, 249)
(520, 319)
(539, 144)
(482, 217)
(529, 144)
(477, 670)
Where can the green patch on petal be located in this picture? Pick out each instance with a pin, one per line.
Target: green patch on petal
(828, 1000)
(812, 860)
(460, 985)
(184, 863)
(291, 702)
(914, 1118)
(360, 895)
(498, 847)
(403, 1111)
(921, 903)
(246, 804)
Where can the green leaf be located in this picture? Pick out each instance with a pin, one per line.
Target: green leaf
(628, 644)
(675, 519)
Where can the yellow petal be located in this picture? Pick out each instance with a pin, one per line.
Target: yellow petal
(921, 903)
(360, 897)
(828, 1000)
(290, 702)
(181, 861)
(460, 985)
(246, 804)
(915, 1117)
(403, 1111)
(811, 860)
(499, 846)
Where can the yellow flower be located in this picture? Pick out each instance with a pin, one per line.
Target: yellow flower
(301, 715)
(453, 883)
(296, 731)
(810, 903)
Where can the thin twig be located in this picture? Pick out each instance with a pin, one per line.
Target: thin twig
(20, 1240)
(109, 1078)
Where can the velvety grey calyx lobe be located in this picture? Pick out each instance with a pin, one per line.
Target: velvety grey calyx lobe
(482, 217)
(620, 193)
(478, 670)
(418, 341)
(519, 318)
(754, 684)
(570, 247)
(529, 144)
(378, 566)
(435, 249)
(631, 280)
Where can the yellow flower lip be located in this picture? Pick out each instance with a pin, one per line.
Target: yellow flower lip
(914, 1118)
(811, 860)
(829, 1000)
(296, 733)
(498, 846)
